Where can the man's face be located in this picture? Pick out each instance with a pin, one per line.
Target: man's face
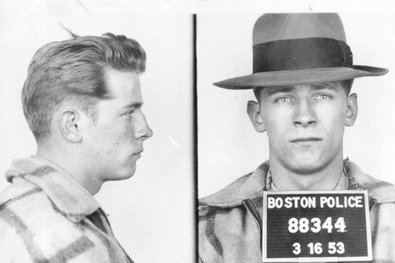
(304, 124)
(114, 140)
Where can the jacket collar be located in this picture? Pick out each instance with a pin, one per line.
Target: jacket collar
(68, 196)
(251, 186)
(248, 186)
(380, 191)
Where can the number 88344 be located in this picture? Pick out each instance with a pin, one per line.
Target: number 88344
(315, 225)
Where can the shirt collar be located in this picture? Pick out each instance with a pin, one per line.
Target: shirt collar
(69, 197)
(342, 183)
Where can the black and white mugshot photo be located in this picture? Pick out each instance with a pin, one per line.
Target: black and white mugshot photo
(296, 137)
(96, 155)
(197, 131)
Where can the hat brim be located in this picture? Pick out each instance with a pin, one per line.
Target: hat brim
(299, 77)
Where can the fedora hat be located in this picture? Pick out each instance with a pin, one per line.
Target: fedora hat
(294, 49)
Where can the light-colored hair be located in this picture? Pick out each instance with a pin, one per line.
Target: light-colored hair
(72, 71)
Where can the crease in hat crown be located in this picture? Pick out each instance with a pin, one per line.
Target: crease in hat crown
(295, 30)
(297, 26)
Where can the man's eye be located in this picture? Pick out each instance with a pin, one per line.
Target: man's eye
(283, 100)
(323, 97)
(129, 113)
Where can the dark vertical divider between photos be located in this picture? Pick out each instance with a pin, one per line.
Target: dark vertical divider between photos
(195, 133)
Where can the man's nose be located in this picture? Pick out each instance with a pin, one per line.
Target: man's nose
(143, 131)
(305, 114)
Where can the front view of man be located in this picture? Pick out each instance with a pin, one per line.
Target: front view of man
(82, 100)
(302, 76)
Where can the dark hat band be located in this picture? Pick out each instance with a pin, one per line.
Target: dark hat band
(305, 53)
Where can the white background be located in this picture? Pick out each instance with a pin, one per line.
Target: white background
(229, 147)
(151, 213)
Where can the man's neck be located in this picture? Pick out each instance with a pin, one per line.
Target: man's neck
(327, 178)
(72, 165)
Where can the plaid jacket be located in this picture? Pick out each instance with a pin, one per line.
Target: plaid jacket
(46, 216)
(230, 221)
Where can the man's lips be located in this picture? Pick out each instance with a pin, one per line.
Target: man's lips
(138, 153)
(306, 140)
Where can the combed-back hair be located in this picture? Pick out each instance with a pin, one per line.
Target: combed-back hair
(346, 84)
(72, 71)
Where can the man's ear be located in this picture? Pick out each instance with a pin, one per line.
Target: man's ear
(352, 109)
(255, 116)
(68, 123)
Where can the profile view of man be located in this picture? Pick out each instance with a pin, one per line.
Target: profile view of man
(302, 75)
(82, 100)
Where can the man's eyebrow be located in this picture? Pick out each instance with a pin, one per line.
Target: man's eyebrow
(274, 90)
(133, 105)
(331, 86)
(284, 89)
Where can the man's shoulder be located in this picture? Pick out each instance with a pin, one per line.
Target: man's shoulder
(22, 194)
(32, 227)
(380, 191)
(23, 202)
(222, 217)
(245, 187)
(18, 211)
(17, 190)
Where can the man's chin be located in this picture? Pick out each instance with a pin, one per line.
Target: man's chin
(306, 166)
(123, 175)
(306, 170)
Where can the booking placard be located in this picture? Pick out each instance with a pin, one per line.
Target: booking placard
(316, 226)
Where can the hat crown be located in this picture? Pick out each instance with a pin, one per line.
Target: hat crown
(273, 27)
(300, 48)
